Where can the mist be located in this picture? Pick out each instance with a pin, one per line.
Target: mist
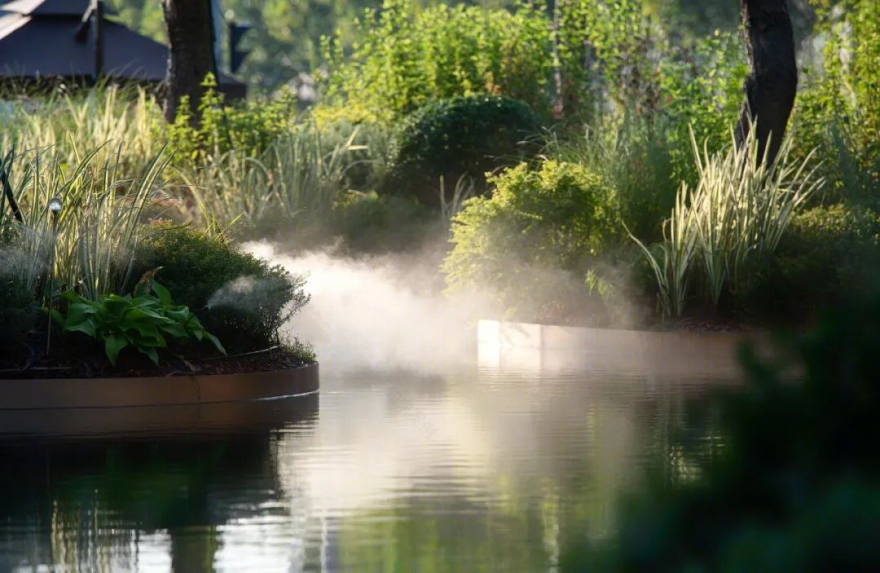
(384, 313)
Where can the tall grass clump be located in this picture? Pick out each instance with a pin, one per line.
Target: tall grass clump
(79, 222)
(297, 178)
(118, 121)
(730, 223)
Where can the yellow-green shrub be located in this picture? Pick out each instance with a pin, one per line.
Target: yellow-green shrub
(535, 239)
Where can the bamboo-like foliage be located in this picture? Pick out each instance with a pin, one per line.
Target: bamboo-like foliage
(731, 223)
(297, 176)
(110, 119)
(89, 243)
(672, 267)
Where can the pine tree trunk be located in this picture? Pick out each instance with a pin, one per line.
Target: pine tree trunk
(772, 84)
(190, 55)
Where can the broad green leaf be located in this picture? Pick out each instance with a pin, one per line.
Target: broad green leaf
(143, 328)
(162, 293)
(78, 312)
(86, 327)
(113, 344)
(176, 330)
(151, 353)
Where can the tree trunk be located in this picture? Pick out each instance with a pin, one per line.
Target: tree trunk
(190, 54)
(772, 84)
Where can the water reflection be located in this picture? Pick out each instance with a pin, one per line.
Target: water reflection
(475, 469)
(131, 503)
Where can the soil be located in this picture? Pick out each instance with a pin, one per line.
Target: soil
(67, 360)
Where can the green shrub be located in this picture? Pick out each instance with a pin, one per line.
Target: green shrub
(461, 136)
(839, 111)
(369, 222)
(409, 56)
(535, 239)
(827, 255)
(635, 159)
(249, 127)
(239, 298)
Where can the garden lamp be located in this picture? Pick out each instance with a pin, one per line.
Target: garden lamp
(55, 205)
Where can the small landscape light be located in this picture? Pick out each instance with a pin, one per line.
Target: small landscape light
(55, 204)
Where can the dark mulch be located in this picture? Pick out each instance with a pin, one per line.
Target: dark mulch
(69, 359)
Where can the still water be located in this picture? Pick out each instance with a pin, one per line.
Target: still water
(475, 469)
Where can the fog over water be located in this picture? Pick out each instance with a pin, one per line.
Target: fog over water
(383, 313)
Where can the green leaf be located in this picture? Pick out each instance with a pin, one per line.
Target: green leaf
(116, 304)
(146, 330)
(71, 296)
(145, 314)
(216, 342)
(151, 353)
(181, 314)
(176, 330)
(162, 293)
(86, 327)
(113, 344)
(57, 318)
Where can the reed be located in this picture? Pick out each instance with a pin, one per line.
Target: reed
(731, 222)
(81, 221)
(120, 122)
(297, 179)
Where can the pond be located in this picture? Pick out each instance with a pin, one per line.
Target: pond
(469, 469)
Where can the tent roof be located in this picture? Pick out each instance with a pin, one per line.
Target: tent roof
(51, 7)
(39, 44)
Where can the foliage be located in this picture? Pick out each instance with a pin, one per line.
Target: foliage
(145, 321)
(635, 160)
(241, 299)
(827, 254)
(118, 121)
(297, 178)
(18, 311)
(249, 128)
(839, 112)
(539, 226)
(369, 222)
(701, 92)
(407, 57)
(794, 487)
(603, 50)
(88, 242)
(284, 38)
(458, 137)
(730, 224)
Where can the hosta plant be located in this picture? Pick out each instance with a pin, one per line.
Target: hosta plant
(146, 321)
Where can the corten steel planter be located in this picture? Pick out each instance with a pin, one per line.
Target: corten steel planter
(157, 391)
(100, 407)
(220, 418)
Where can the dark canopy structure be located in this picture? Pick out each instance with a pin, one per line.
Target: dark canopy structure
(51, 39)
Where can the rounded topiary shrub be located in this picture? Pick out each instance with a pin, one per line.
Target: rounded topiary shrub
(461, 136)
(239, 298)
(535, 240)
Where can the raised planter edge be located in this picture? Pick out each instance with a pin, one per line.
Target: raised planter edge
(30, 394)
